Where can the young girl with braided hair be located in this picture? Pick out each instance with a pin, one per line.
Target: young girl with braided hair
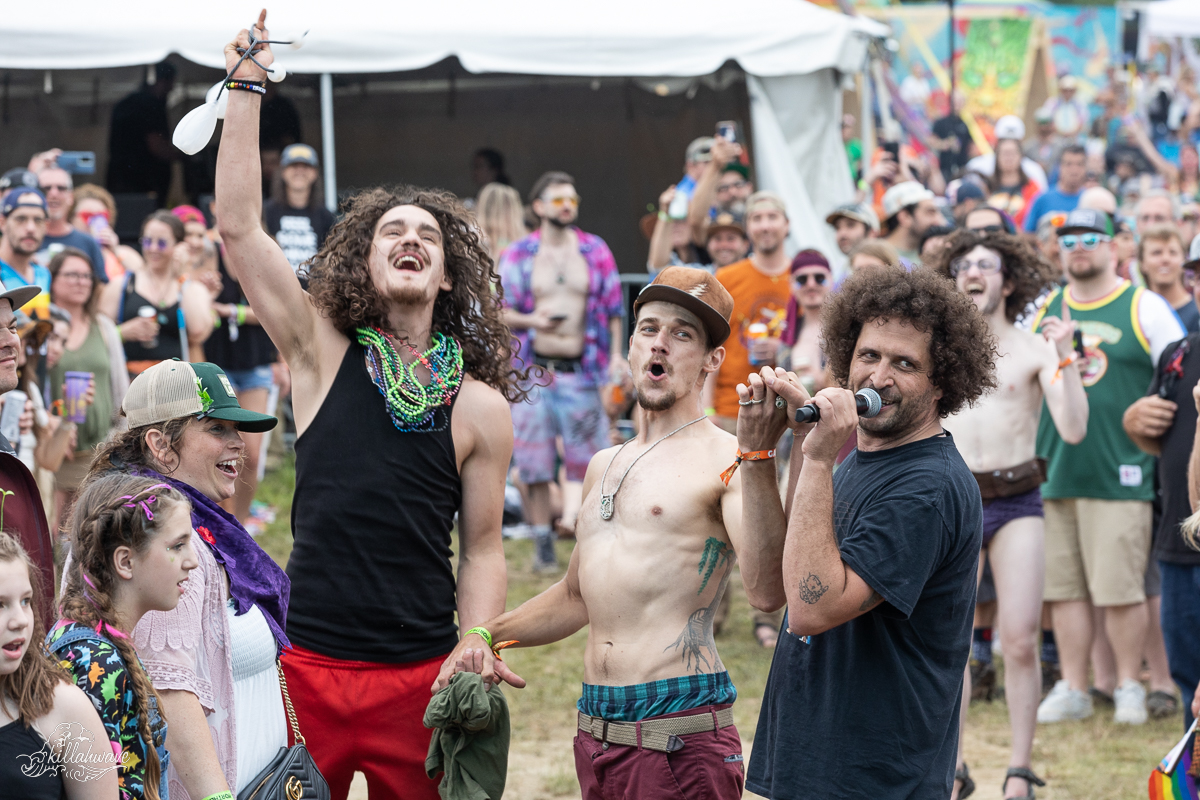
(39, 707)
(131, 553)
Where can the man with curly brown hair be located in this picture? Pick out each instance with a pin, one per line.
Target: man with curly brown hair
(879, 561)
(997, 438)
(402, 376)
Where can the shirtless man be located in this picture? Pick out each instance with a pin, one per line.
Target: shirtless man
(658, 535)
(997, 438)
(563, 298)
(812, 281)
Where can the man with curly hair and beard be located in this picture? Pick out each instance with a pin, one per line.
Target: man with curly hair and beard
(997, 438)
(879, 561)
(402, 376)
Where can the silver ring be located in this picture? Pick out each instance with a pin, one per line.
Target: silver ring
(749, 402)
(780, 402)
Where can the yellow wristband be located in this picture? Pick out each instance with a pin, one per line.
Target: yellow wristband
(220, 796)
(483, 634)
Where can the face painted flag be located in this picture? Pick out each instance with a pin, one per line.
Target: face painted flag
(1171, 780)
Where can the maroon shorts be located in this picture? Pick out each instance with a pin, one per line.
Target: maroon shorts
(709, 767)
(365, 717)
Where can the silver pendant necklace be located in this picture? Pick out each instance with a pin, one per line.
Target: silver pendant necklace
(607, 506)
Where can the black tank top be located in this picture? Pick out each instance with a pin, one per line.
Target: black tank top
(15, 741)
(169, 344)
(371, 518)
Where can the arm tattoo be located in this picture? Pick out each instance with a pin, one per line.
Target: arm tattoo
(875, 599)
(811, 589)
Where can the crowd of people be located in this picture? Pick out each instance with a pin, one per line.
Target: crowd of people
(1004, 377)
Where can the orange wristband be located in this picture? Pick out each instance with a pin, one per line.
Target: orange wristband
(1066, 362)
(755, 455)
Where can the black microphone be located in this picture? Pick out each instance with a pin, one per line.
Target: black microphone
(867, 401)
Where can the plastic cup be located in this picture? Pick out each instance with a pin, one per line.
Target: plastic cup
(73, 392)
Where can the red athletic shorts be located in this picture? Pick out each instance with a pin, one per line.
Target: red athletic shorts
(709, 766)
(358, 716)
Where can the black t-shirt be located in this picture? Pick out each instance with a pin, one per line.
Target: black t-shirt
(1176, 450)
(51, 245)
(300, 232)
(1189, 315)
(131, 165)
(252, 348)
(869, 709)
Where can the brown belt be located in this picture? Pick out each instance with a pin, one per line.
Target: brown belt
(1012, 481)
(656, 734)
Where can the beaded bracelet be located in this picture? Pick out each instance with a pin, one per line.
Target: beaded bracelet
(246, 86)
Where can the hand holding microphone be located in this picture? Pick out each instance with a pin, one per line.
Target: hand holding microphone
(867, 401)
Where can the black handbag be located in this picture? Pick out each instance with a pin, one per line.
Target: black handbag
(292, 774)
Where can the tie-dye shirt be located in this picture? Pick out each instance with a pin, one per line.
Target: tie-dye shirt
(100, 672)
(603, 300)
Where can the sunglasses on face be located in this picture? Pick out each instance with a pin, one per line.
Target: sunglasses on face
(47, 189)
(729, 187)
(986, 265)
(563, 202)
(1087, 241)
(818, 279)
(155, 244)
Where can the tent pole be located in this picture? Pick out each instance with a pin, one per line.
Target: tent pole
(867, 120)
(331, 200)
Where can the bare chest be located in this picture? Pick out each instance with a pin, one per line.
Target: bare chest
(559, 271)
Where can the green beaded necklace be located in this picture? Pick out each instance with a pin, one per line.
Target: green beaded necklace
(412, 405)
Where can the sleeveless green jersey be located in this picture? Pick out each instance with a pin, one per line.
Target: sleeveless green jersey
(1116, 371)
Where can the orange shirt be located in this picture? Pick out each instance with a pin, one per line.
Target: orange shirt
(756, 298)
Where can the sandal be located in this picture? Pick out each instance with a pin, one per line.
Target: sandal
(1025, 773)
(767, 636)
(1161, 704)
(963, 776)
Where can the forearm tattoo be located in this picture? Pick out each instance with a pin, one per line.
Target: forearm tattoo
(875, 599)
(811, 589)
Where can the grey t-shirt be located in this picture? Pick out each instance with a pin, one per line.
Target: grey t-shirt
(51, 245)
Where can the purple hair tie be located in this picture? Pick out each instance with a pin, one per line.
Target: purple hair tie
(145, 503)
(101, 626)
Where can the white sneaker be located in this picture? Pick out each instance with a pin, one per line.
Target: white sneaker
(1130, 700)
(1065, 703)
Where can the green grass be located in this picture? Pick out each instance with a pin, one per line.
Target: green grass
(1092, 760)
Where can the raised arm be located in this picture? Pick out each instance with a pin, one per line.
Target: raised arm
(1061, 382)
(752, 508)
(660, 240)
(253, 257)
(706, 188)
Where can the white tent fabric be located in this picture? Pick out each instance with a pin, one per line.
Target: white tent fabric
(791, 47)
(1171, 18)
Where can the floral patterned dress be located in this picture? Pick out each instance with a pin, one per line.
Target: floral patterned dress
(98, 669)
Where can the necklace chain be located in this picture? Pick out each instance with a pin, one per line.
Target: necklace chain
(412, 405)
(608, 501)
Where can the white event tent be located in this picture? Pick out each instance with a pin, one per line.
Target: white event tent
(793, 52)
(1171, 18)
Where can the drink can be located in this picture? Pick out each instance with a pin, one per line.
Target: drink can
(10, 417)
(76, 386)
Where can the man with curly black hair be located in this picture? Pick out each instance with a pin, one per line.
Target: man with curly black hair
(997, 438)
(401, 373)
(879, 561)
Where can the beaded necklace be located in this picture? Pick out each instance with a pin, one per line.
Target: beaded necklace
(411, 405)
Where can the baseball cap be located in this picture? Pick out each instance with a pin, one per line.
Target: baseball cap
(18, 177)
(1042, 115)
(298, 154)
(1009, 126)
(860, 212)
(1067, 82)
(968, 190)
(698, 292)
(903, 195)
(23, 196)
(700, 150)
(768, 199)
(725, 222)
(19, 296)
(173, 389)
(1083, 220)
